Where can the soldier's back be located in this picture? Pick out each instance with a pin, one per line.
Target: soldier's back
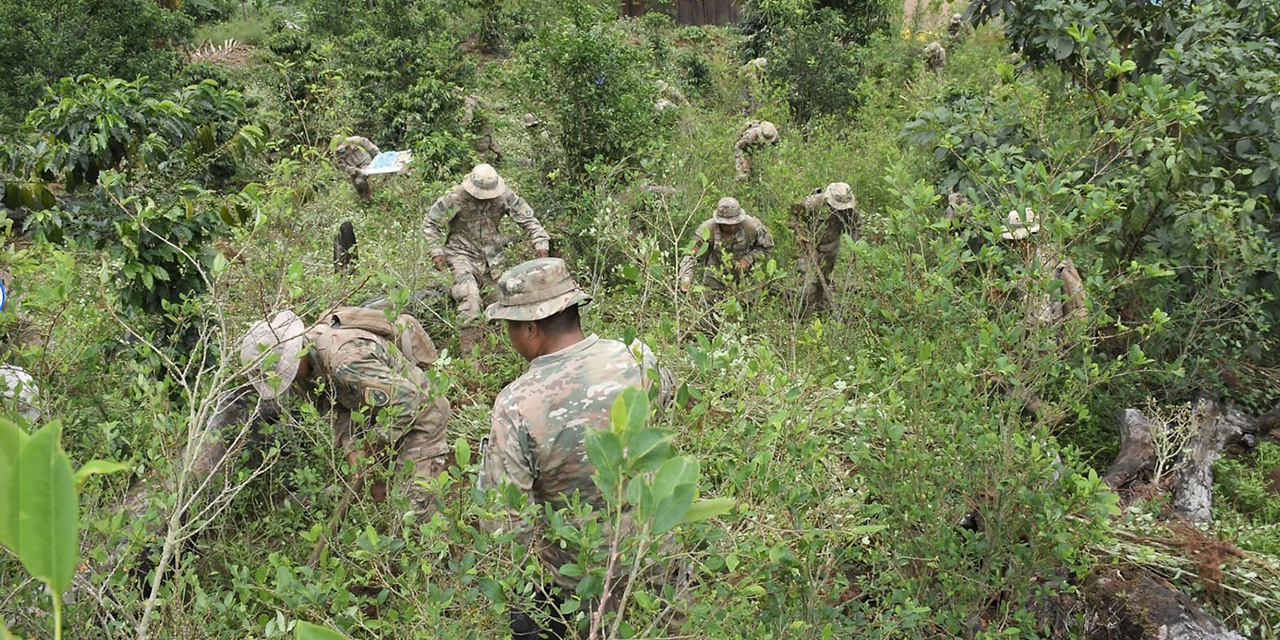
(562, 396)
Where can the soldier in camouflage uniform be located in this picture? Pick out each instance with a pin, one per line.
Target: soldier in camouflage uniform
(820, 220)
(935, 57)
(475, 118)
(535, 442)
(1044, 308)
(354, 154)
(755, 135)
(473, 247)
(730, 233)
(366, 364)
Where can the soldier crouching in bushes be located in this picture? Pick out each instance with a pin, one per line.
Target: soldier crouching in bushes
(367, 365)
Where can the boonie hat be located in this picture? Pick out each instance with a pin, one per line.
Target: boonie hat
(839, 196)
(728, 211)
(768, 132)
(535, 290)
(285, 335)
(483, 183)
(1018, 227)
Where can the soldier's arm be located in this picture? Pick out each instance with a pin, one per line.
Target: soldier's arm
(505, 460)
(763, 245)
(433, 224)
(369, 146)
(696, 249)
(522, 213)
(1073, 288)
(744, 140)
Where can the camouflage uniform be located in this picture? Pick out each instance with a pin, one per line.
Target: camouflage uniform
(354, 154)
(935, 57)
(753, 76)
(825, 215)
(363, 372)
(957, 29)
(755, 134)
(474, 246)
(539, 421)
(476, 119)
(1045, 308)
(750, 242)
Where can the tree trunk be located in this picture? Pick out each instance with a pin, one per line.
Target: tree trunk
(1137, 454)
(1129, 604)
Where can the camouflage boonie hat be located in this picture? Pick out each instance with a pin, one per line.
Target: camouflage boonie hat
(839, 196)
(535, 290)
(285, 336)
(484, 183)
(728, 211)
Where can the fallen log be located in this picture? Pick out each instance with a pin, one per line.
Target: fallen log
(1216, 427)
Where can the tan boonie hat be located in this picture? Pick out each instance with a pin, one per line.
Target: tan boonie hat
(1018, 227)
(728, 211)
(768, 132)
(535, 290)
(285, 336)
(839, 196)
(483, 183)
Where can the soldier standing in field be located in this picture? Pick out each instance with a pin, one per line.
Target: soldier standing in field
(1044, 308)
(730, 237)
(819, 222)
(539, 421)
(754, 136)
(476, 118)
(354, 155)
(368, 365)
(472, 246)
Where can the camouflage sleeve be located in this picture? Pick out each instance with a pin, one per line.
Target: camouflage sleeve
(522, 213)
(764, 242)
(369, 146)
(696, 249)
(746, 139)
(437, 216)
(1073, 288)
(506, 457)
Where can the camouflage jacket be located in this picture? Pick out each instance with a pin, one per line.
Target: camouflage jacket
(823, 225)
(355, 153)
(752, 135)
(751, 241)
(536, 437)
(473, 224)
(1045, 305)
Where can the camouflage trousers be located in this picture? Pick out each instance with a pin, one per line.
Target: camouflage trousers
(742, 162)
(360, 182)
(469, 274)
(816, 268)
(402, 416)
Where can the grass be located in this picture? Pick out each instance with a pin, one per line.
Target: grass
(246, 29)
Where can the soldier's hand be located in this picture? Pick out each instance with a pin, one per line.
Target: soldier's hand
(438, 261)
(744, 264)
(541, 253)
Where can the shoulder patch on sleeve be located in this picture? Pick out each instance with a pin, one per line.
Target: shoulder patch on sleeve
(375, 397)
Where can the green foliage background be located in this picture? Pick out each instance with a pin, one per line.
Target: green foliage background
(152, 219)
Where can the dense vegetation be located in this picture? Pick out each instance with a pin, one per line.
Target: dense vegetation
(160, 200)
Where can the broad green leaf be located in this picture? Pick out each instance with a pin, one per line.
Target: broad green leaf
(46, 510)
(462, 452)
(12, 437)
(308, 631)
(95, 467)
(647, 449)
(604, 450)
(705, 509)
(672, 473)
(672, 509)
(630, 410)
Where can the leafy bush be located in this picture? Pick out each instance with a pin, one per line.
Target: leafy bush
(820, 72)
(604, 102)
(40, 43)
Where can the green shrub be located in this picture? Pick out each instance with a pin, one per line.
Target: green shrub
(604, 102)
